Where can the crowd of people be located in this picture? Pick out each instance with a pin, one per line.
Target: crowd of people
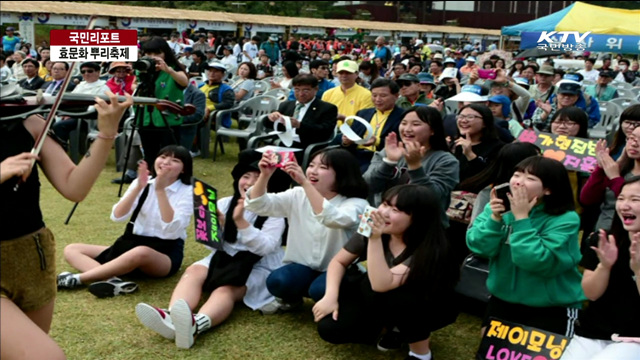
(439, 121)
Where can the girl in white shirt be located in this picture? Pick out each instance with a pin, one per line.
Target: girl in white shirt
(153, 243)
(322, 214)
(249, 239)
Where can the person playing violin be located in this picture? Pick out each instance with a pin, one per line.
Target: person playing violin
(27, 247)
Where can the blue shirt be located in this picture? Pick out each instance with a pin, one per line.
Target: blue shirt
(9, 44)
(323, 86)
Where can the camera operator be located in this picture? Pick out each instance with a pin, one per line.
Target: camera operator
(169, 80)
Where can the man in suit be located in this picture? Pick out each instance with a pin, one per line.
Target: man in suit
(58, 72)
(33, 81)
(314, 120)
(384, 118)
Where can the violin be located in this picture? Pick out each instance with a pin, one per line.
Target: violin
(19, 107)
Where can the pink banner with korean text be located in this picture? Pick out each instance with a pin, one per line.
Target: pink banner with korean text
(576, 154)
(509, 341)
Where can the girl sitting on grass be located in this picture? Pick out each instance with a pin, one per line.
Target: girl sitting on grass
(158, 210)
(409, 281)
(533, 249)
(251, 242)
(322, 213)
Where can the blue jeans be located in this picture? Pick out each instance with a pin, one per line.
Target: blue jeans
(293, 281)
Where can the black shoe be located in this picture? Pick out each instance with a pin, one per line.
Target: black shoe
(391, 340)
(127, 180)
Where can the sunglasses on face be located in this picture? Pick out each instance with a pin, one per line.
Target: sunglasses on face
(86, 71)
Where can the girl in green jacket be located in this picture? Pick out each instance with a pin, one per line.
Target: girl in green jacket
(533, 249)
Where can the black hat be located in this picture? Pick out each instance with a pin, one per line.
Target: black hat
(569, 87)
(247, 161)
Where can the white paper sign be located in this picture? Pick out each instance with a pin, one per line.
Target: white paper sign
(351, 135)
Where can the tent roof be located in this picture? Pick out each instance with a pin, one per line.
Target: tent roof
(583, 17)
(75, 8)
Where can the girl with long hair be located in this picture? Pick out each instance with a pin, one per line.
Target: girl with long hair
(611, 281)
(409, 276)
(419, 156)
(157, 207)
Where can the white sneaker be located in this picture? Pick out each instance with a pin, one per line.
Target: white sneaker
(184, 323)
(279, 306)
(66, 280)
(156, 319)
(195, 153)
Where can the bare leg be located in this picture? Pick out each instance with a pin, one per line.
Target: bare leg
(189, 287)
(19, 333)
(420, 347)
(151, 262)
(220, 304)
(81, 256)
(43, 316)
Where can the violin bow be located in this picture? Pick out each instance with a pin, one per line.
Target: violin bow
(47, 125)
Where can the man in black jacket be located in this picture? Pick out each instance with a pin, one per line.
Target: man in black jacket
(314, 120)
(33, 81)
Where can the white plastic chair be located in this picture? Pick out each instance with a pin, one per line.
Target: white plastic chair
(622, 85)
(261, 87)
(624, 93)
(280, 94)
(252, 111)
(624, 102)
(609, 120)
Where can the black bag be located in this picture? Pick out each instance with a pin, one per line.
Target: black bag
(473, 278)
(129, 240)
(225, 269)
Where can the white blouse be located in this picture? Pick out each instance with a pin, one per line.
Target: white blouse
(149, 221)
(313, 239)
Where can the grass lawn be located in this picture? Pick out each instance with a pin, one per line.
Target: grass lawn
(90, 328)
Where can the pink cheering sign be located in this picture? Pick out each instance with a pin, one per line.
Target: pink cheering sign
(508, 341)
(576, 154)
(206, 214)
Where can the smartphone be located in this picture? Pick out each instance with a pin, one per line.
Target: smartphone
(487, 74)
(364, 228)
(501, 192)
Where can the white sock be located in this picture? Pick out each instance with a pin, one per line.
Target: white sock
(426, 356)
(77, 277)
(203, 321)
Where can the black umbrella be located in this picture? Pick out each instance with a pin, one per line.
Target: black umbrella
(537, 53)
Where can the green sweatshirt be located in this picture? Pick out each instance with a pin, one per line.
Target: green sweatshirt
(533, 261)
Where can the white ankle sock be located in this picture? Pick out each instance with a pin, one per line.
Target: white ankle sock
(77, 277)
(426, 356)
(203, 321)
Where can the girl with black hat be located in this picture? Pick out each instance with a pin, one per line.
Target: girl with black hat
(251, 250)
